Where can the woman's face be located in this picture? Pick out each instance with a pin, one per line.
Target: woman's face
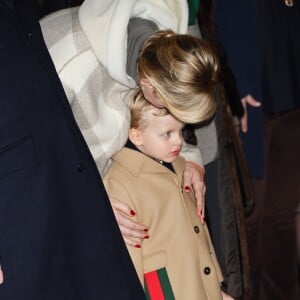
(149, 93)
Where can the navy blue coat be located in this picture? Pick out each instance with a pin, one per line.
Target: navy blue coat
(238, 30)
(58, 236)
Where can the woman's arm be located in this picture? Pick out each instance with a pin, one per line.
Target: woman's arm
(138, 31)
(193, 176)
(193, 179)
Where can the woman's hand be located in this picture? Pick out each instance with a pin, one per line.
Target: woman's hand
(193, 178)
(226, 296)
(247, 100)
(133, 233)
(1, 276)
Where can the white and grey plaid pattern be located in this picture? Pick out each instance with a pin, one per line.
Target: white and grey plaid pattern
(98, 102)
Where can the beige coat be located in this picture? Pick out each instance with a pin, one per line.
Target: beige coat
(178, 241)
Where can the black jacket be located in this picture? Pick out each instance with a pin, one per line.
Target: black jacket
(237, 24)
(58, 235)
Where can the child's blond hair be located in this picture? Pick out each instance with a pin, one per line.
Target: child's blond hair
(139, 108)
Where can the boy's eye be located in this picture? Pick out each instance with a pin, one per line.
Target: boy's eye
(168, 133)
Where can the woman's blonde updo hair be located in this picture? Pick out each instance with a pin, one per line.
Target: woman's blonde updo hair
(183, 70)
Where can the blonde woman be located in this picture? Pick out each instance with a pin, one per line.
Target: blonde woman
(95, 48)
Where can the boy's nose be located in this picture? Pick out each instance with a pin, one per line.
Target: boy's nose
(179, 140)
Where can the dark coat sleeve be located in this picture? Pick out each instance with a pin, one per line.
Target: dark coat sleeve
(238, 31)
(58, 234)
(138, 31)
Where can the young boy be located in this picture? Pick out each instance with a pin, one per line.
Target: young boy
(178, 260)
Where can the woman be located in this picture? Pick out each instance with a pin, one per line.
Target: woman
(88, 46)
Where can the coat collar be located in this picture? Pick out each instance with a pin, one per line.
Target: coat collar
(138, 163)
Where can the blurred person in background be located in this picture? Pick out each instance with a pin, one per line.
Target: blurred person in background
(261, 39)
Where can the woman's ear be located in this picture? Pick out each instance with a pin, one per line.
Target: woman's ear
(135, 136)
(145, 83)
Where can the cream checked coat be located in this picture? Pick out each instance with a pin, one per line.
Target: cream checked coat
(179, 250)
(88, 45)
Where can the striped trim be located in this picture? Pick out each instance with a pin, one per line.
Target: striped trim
(157, 285)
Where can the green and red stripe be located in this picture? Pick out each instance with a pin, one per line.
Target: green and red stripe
(157, 285)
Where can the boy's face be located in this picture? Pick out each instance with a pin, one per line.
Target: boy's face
(162, 138)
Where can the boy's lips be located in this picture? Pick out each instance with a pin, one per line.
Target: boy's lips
(175, 153)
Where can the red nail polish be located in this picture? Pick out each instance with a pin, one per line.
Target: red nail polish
(187, 188)
(146, 229)
(137, 246)
(146, 237)
(132, 213)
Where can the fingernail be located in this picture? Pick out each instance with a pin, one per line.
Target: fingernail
(146, 229)
(132, 213)
(137, 246)
(146, 237)
(187, 188)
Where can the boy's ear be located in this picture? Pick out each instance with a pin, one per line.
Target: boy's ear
(135, 136)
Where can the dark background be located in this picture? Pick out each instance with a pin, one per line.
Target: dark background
(45, 7)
